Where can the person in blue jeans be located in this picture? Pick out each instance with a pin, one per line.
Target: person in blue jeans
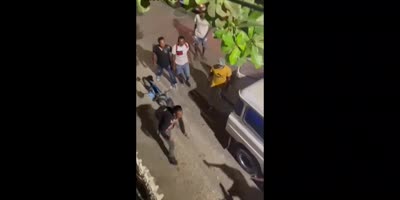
(180, 57)
(162, 59)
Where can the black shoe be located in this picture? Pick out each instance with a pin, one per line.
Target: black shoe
(188, 83)
(173, 160)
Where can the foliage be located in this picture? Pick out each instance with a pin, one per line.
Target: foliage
(240, 29)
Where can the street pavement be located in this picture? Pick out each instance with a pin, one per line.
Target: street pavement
(193, 177)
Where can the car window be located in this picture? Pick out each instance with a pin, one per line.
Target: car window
(255, 121)
(239, 108)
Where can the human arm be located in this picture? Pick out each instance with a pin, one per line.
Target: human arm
(195, 24)
(154, 57)
(173, 64)
(228, 76)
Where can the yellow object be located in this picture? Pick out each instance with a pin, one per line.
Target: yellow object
(220, 75)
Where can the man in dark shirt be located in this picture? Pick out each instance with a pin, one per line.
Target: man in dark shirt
(167, 121)
(162, 59)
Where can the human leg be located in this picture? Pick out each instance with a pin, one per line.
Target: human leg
(186, 70)
(172, 78)
(180, 73)
(159, 72)
(204, 45)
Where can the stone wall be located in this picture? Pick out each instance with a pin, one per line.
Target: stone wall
(146, 188)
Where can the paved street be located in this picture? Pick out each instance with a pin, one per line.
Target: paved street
(192, 178)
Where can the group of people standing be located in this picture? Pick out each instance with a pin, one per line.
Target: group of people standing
(175, 60)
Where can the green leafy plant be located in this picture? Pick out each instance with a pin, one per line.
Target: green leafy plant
(241, 31)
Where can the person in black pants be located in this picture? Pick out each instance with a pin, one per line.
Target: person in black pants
(168, 119)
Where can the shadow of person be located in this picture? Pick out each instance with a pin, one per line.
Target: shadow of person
(215, 120)
(227, 196)
(144, 57)
(147, 115)
(240, 187)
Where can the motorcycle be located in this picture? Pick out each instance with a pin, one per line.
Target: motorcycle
(155, 93)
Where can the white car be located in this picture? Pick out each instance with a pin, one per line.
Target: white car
(246, 128)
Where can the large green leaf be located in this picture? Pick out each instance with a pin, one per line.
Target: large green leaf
(244, 14)
(256, 16)
(218, 33)
(227, 38)
(219, 11)
(241, 40)
(211, 8)
(259, 41)
(257, 57)
(234, 56)
(248, 49)
(241, 61)
(233, 8)
(198, 2)
(219, 23)
(226, 49)
(140, 8)
(259, 30)
(186, 2)
(250, 32)
(220, 2)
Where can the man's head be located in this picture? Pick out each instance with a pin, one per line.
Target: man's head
(177, 110)
(181, 40)
(202, 15)
(161, 41)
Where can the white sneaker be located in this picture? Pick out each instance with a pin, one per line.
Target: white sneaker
(173, 86)
(158, 79)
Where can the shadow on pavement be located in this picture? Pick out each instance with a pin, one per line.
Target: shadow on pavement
(240, 188)
(226, 194)
(139, 94)
(144, 57)
(215, 120)
(149, 126)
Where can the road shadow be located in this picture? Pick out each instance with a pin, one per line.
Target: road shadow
(185, 32)
(144, 57)
(227, 196)
(139, 94)
(147, 115)
(215, 120)
(240, 188)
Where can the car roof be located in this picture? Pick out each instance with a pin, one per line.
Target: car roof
(254, 96)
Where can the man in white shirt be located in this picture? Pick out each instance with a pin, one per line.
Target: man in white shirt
(201, 30)
(180, 56)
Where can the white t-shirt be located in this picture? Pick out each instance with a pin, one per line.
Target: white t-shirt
(181, 53)
(202, 26)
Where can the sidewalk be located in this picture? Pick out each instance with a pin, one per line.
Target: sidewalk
(192, 179)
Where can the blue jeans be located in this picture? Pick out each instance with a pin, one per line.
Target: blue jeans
(202, 41)
(172, 78)
(184, 70)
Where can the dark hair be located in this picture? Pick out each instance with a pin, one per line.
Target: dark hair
(160, 38)
(177, 108)
(180, 37)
